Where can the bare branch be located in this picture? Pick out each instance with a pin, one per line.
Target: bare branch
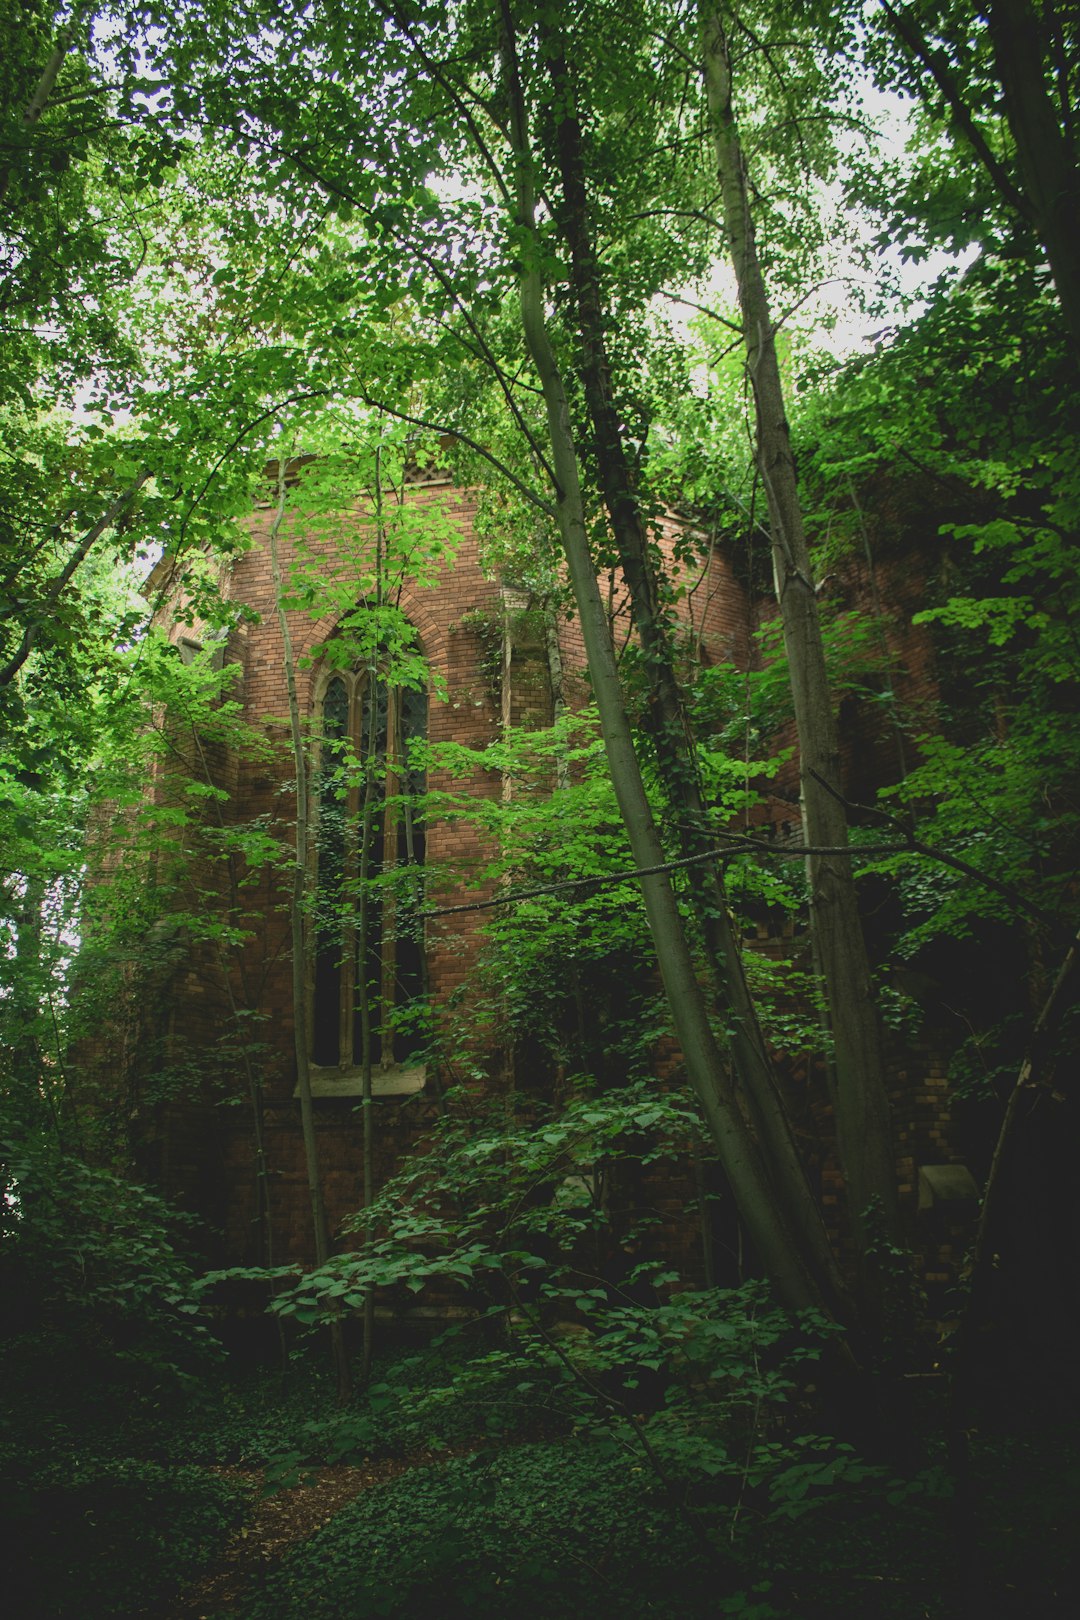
(916, 847)
(734, 844)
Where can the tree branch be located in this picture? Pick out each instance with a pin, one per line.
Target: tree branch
(734, 844)
(903, 26)
(36, 105)
(52, 594)
(519, 484)
(932, 852)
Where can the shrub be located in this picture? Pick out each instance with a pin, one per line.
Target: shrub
(538, 1530)
(110, 1538)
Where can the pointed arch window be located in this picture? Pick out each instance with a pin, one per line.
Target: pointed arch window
(367, 963)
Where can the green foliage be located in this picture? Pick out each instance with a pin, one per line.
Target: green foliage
(557, 1508)
(96, 1281)
(111, 1539)
(539, 1530)
(288, 237)
(101, 1335)
(540, 952)
(483, 1210)
(948, 455)
(241, 1413)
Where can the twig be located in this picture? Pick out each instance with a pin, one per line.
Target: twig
(735, 842)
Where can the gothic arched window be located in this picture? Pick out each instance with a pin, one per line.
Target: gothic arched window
(367, 957)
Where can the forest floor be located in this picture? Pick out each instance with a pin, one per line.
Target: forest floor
(886, 1550)
(277, 1522)
(255, 1496)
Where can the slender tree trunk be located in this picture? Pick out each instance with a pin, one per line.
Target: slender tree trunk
(862, 1111)
(41, 93)
(363, 1001)
(296, 925)
(780, 1249)
(362, 983)
(1044, 150)
(27, 1084)
(670, 727)
(553, 656)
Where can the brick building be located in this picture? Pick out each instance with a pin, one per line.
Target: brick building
(228, 1143)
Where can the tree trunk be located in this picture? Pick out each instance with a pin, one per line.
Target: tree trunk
(861, 1099)
(363, 995)
(296, 926)
(780, 1249)
(41, 93)
(363, 988)
(670, 728)
(27, 1083)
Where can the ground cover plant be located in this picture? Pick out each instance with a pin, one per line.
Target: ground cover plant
(616, 1440)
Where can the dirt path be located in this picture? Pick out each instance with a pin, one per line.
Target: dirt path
(275, 1524)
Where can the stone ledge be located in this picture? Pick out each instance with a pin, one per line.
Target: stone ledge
(398, 1080)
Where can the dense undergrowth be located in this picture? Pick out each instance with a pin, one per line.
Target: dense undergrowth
(518, 1502)
(621, 1442)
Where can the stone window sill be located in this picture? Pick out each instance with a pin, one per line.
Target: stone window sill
(396, 1080)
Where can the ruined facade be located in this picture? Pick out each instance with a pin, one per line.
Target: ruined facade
(229, 1146)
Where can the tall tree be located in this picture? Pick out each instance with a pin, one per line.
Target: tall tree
(301, 867)
(669, 727)
(781, 1246)
(861, 1096)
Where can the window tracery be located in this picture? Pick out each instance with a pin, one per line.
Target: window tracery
(367, 959)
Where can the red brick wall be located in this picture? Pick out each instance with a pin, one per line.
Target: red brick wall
(203, 1151)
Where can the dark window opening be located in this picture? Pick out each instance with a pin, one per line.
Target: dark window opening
(368, 957)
